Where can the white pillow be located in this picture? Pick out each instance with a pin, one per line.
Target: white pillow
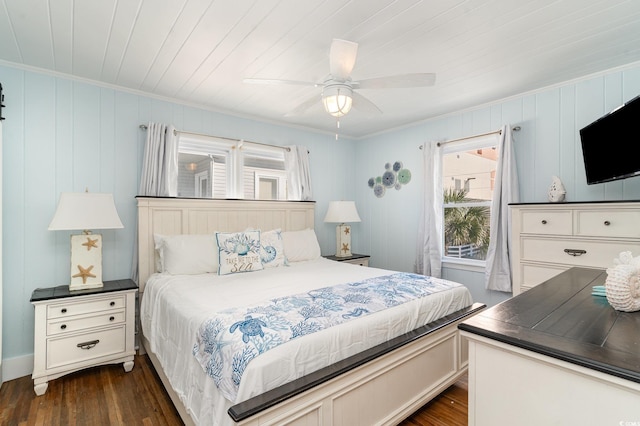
(238, 252)
(301, 245)
(272, 249)
(186, 254)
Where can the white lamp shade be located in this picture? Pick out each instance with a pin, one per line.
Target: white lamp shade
(342, 212)
(85, 210)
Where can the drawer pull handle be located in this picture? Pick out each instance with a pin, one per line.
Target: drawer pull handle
(575, 252)
(63, 310)
(112, 318)
(607, 223)
(544, 221)
(88, 345)
(63, 326)
(112, 304)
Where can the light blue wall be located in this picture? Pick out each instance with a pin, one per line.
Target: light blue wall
(62, 135)
(548, 144)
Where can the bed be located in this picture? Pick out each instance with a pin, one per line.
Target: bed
(376, 369)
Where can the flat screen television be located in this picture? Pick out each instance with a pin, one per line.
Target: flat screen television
(609, 144)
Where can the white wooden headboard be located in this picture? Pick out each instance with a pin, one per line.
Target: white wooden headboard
(173, 216)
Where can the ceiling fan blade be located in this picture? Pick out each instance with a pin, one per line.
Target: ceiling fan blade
(396, 81)
(275, 81)
(364, 105)
(342, 58)
(304, 106)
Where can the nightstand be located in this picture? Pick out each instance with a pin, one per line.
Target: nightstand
(356, 259)
(80, 329)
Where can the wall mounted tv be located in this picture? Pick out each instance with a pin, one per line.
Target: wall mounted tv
(609, 144)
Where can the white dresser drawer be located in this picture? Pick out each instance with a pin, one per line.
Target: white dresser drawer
(69, 308)
(541, 232)
(608, 223)
(533, 275)
(597, 254)
(69, 350)
(546, 222)
(68, 325)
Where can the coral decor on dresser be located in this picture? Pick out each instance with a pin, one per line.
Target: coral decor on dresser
(622, 286)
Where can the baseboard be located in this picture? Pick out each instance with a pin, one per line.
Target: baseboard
(13, 368)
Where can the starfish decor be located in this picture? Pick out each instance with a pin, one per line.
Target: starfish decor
(90, 243)
(345, 248)
(84, 273)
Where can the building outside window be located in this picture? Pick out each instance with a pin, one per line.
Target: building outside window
(468, 179)
(210, 167)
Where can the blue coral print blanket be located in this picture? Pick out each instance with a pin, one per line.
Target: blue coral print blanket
(230, 339)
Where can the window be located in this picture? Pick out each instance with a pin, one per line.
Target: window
(210, 167)
(468, 177)
(270, 186)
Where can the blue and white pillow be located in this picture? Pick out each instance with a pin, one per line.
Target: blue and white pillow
(272, 249)
(238, 252)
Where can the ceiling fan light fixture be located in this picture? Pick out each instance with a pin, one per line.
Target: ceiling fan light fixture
(337, 99)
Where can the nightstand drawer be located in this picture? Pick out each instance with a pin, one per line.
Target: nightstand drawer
(68, 308)
(67, 325)
(361, 262)
(83, 347)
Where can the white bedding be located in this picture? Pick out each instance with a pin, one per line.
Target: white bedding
(174, 306)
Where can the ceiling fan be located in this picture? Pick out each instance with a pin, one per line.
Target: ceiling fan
(338, 89)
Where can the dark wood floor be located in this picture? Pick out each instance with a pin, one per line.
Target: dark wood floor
(108, 396)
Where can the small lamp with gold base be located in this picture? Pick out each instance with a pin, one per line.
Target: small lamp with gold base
(341, 212)
(85, 211)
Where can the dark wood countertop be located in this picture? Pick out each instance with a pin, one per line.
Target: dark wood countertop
(561, 319)
(62, 291)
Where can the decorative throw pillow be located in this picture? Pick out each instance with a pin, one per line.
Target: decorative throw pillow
(272, 249)
(238, 252)
(301, 245)
(186, 254)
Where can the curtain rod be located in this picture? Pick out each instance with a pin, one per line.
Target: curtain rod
(515, 129)
(175, 133)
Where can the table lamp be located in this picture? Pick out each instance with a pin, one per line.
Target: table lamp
(85, 211)
(341, 212)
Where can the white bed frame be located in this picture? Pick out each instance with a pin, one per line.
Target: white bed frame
(383, 391)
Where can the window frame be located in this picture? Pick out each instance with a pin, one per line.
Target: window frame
(467, 144)
(234, 152)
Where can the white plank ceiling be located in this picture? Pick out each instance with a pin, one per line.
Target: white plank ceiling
(198, 51)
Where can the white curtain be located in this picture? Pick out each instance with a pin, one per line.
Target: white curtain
(429, 251)
(296, 164)
(498, 261)
(160, 163)
(159, 171)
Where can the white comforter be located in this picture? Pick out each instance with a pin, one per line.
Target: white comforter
(174, 306)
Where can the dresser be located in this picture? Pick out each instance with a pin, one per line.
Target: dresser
(555, 354)
(80, 329)
(549, 238)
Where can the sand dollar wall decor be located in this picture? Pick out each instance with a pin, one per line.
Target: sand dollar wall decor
(394, 176)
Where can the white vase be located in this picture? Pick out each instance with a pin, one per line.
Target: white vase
(556, 190)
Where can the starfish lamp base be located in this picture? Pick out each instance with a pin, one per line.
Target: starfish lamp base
(343, 240)
(86, 261)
